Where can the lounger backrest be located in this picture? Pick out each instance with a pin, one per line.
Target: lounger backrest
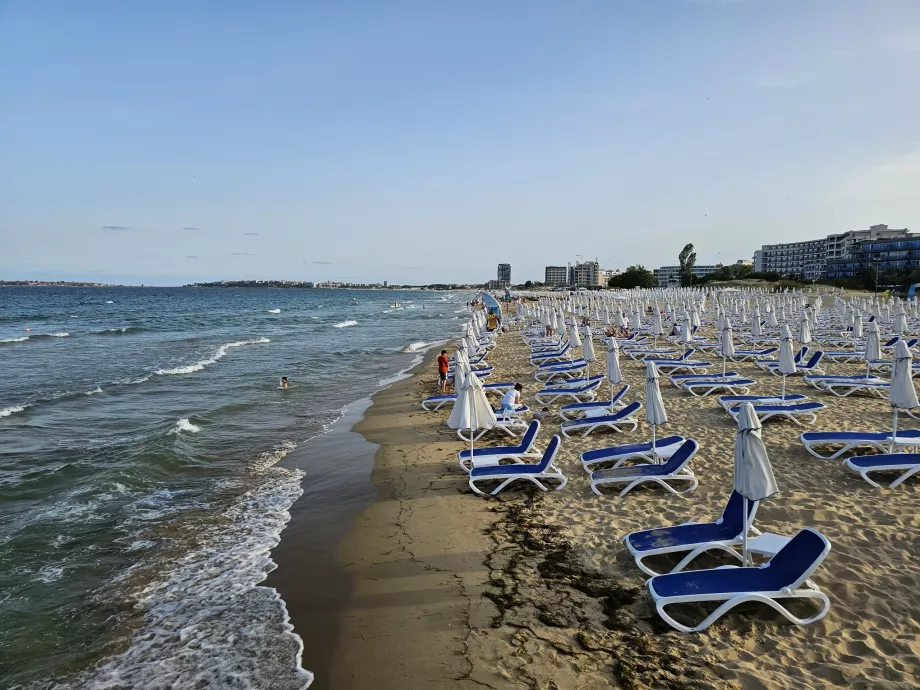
(628, 410)
(530, 435)
(686, 355)
(732, 515)
(681, 457)
(619, 394)
(797, 560)
(815, 358)
(549, 455)
(911, 342)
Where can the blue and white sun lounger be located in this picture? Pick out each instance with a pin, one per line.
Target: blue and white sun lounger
(848, 440)
(436, 402)
(506, 474)
(678, 379)
(784, 576)
(747, 355)
(547, 357)
(617, 455)
(614, 421)
(818, 380)
(703, 387)
(843, 356)
(569, 384)
(767, 364)
(579, 410)
(723, 534)
(729, 401)
(483, 457)
(584, 393)
(642, 353)
(843, 389)
(674, 470)
(908, 464)
(810, 366)
(668, 367)
(793, 412)
(569, 371)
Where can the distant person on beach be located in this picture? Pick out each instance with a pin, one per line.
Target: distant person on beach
(512, 400)
(542, 415)
(284, 382)
(443, 366)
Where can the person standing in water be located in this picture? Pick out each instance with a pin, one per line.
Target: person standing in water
(284, 381)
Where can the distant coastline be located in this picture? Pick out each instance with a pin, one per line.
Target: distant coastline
(55, 283)
(299, 284)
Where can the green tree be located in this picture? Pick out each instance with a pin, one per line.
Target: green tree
(687, 259)
(636, 276)
(528, 284)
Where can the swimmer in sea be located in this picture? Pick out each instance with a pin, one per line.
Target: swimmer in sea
(284, 382)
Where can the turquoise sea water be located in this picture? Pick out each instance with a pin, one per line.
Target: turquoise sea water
(139, 493)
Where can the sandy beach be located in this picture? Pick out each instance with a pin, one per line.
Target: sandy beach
(536, 589)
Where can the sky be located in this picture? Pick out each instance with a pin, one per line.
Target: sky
(417, 142)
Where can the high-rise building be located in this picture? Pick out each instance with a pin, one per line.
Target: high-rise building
(557, 276)
(504, 275)
(587, 274)
(669, 276)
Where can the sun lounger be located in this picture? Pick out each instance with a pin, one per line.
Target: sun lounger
(506, 474)
(669, 367)
(570, 371)
(519, 453)
(748, 355)
(674, 470)
(508, 421)
(573, 383)
(436, 402)
(678, 379)
(617, 455)
(845, 441)
(704, 387)
(818, 380)
(578, 410)
(811, 366)
(784, 576)
(843, 389)
(843, 356)
(729, 401)
(767, 364)
(794, 412)
(643, 354)
(908, 464)
(547, 357)
(693, 537)
(614, 422)
(584, 393)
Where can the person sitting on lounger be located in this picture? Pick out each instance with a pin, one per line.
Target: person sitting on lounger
(512, 400)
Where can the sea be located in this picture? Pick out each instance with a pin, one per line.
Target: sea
(141, 431)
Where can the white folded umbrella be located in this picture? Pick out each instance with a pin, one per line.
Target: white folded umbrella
(472, 411)
(727, 345)
(654, 406)
(901, 393)
(754, 478)
(786, 357)
(587, 350)
(873, 350)
(613, 364)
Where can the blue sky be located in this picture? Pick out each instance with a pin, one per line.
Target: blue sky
(165, 141)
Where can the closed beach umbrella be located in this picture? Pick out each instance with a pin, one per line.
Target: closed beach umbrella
(574, 339)
(560, 324)
(727, 345)
(686, 331)
(858, 326)
(754, 478)
(654, 405)
(472, 411)
(901, 393)
(656, 326)
(786, 357)
(588, 350)
(900, 321)
(637, 317)
(873, 348)
(804, 330)
(613, 364)
(772, 321)
(755, 323)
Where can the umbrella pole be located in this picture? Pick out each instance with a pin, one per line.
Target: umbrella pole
(783, 394)
(654, 454)
(744, 536)
(894, 428)
(723, 365)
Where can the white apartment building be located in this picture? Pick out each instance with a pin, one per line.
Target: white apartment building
(669, 276)
(557, 275)
(587, 274)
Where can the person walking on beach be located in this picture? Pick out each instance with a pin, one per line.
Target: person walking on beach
(443, 366)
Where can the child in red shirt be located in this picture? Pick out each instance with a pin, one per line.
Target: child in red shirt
(443, 366)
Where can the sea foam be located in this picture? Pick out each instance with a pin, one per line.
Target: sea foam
(198, 366)
(345, 324)
(416, 346)
(208, 622)
(15, 340)
(184, 425)
(274, 311)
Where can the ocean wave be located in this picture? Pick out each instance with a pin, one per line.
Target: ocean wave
(272, 457)
(416, 346)
(108, 301)
(193, 617)
(345, 324)
(184, 425)
(7, 411)
(274, 311)
(62, 334)
(20, 339)
(198, 366)
(50, 573)
(119, 331)
(95, 390)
